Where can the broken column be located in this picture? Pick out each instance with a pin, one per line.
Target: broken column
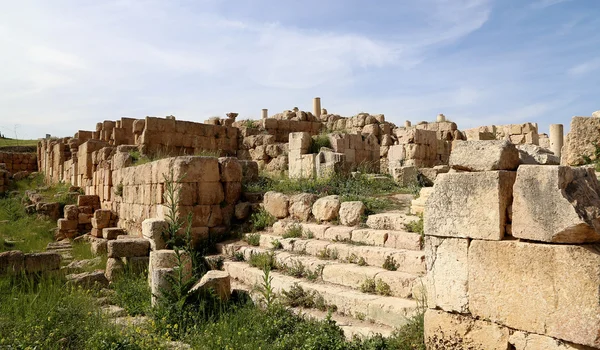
(317, 107)
(556, 139)
(301, 164)
(441, 118)
(265, 113)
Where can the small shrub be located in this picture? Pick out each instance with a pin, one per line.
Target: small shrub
(352, 258)
(295, 269)
(314, 275)
(119, 190)
(298, 297)
(390, 263)
(319, 141)
(293, 231)
(308, 234)
(328, 254)
(253, 239)
(238, 256)
(276, 244)
(361, 261)
(263, 261)
(383, 288)
(368, 286)
(261, 219)
(249, 123)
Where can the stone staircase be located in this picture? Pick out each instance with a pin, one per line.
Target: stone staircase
(334, 261)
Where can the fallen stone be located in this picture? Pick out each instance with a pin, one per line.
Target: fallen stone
(88, 279)
(153, 230)
(111, 233)
(484, 155)
(351, 213)
(242, 210)
(218, 281)
(300, 206)
(40, 262)
(532, 154)
(129, 247)
(276, 204)
(12, 261)
(326, 208)
(114, 268)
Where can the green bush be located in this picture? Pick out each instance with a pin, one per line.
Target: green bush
(263, 261)
(321, 140)
(253, 239)
(293, 231)
(261, 220)
(390, 263)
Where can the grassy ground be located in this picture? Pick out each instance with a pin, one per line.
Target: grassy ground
(14, 142)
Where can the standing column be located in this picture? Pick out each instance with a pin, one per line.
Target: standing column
(265, 113)
(556, 138)
(317, 107)
(441, 118)
(407, 124)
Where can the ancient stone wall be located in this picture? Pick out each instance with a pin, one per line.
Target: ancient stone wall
(15, 162)
(516, 133)
(580, 143)
(512, 256)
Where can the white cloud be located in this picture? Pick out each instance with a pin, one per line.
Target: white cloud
(542, 4)
(585, 67)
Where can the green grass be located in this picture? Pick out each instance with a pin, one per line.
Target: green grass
(4, 142)
(261, 220)
(132, 293)
(360, 187)
(22, 231)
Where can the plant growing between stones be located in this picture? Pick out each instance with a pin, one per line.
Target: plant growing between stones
(293, 231)
(253, 239)
(261, 219)
(119, 190)
(390, 263)
(327, 254)
(238, 256)
(361, 262)
(276, 244)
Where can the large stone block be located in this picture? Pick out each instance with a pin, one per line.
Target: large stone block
(527, 341)
(556, 204)
(546, 289)
(351, 213)
(153, 230)
(447, 273)
(457, 332)
(300, 206)
(230, 169)
(484, 155)
(39, 262)
(300, 141)
(326, 208)
(167, 258)
(196, 169)
(470, 205)
(580, 141)
(128, 247)
(276, 204)
(12, 261)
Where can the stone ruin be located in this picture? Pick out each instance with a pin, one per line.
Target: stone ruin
(510, 256)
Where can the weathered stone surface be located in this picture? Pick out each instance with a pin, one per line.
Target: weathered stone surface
(98, 246)
(12, 261)
(242, 210)
(137, 264)
(326, 208)
(160, 282)
(528, 341)
(88, 279)
(114, 268)
(112, 232)
(276, 204)
(40, 262)
(101, 218)
(540, 288)
(556, 204)
(484, 155)
(167, 258)
(457, 332)
(88, 201)
(230, 169)
(153, 230)
(351, 213)
(129, 247)
(300, 205)
(447, 273)
(532, 154)
(249, 170)
(404, 175)
(470, 205)
(71, 212)
(579, 143)
(219, 281)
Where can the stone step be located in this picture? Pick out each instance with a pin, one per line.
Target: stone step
(401, 284)
(399, 239)
(391, 221)
(409, 261)
(389, 311)
(350, 325)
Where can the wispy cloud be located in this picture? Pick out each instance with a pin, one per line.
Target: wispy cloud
(541, 4)
(585, 67)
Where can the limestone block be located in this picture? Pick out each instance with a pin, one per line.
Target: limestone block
(65, 224)
(111, 233)
(89, 201)
(88, 279)
(546, 289)
(218, 281)
(404, 175)
(129, 247)
(484, 155)
(98, 246)
(160, 283)
(470, 205)
(242, 210)
(326, 208)
(101, 218)
(454, 331)
(447, 273)
(196, 169)
(233, 191)
(556, 204)
(39, 262)
(216, 216)
(351, 213)
(12, 262)
(532, 154)
(167, 258)
(71, 212)
(300, 205)
(210, 193)
(276, 204)
(527, 341)
(249, 170)
(300, 141)
(230, 169)
(114, 268)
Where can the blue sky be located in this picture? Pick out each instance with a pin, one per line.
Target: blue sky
(67, 64)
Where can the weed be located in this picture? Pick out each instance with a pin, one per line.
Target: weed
(361, 261)
(308, 234)
(295, 269)
(132, 293)
(276, 244)
(296, 296)
(390, 263)
(119, 190)
(249, 123)
(238, 256)
(267, 288)
(321, 140)
(416, 227)
(261, 219)
(253, 239)
(328, 254)
(352, 258)
(263, 261)
(368, 286)
(293, 231)
(360, 315)
(382, 288)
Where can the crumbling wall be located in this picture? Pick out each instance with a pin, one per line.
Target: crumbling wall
(515, 133)
(15, 162)
(580, 144)
(488, 290)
